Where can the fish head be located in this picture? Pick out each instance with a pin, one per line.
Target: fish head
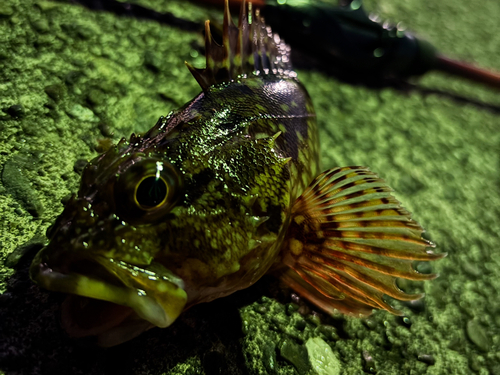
(184, 214)
(102, 247)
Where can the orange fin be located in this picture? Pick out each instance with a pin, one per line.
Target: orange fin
(349, 240)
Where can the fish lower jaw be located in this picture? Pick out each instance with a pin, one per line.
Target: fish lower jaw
(144, 306)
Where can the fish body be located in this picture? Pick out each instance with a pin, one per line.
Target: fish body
(217, 194)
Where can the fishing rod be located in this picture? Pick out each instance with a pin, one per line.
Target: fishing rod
(349, 42)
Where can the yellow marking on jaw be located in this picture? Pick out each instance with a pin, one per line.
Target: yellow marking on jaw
(161, 287)
(235, 267)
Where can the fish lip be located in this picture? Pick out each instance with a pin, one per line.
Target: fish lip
(73, 283)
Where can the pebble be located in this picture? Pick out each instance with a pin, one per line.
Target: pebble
(323, 360)
(6, 10)
(82, 114)
(105, 129)
(79, 165)
(20, 187)
(16, 110)
(471, 269)
(41, 25)
(369, 362)
(369, 323)
(55, 92)
(34, 244)
(295, 354)
(477, 335)
(427, 358)
(269, 357)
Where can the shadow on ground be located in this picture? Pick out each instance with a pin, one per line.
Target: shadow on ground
(32, 341)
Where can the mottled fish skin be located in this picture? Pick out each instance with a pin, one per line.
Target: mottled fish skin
(240, 183)
(236, 157)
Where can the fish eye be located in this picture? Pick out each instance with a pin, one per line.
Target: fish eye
(146, 190)
(151, 192)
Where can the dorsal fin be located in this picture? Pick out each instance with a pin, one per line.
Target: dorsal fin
(249, 49)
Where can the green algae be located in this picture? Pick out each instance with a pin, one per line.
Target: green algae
(19, 186)
(67, 72)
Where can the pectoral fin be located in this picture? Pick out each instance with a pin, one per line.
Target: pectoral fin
(349, 240)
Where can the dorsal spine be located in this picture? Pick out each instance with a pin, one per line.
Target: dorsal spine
(251, 48)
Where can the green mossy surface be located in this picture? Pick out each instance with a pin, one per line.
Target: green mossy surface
(69, 77)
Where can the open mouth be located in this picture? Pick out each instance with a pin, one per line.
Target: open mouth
(145, 307)
(111, 324)
(108, 300)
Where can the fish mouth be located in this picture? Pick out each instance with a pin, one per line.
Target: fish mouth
(105, 323)
(123, 301)
(145, 307)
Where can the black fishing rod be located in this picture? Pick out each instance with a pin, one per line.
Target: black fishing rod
(348, 42)
(342, 40)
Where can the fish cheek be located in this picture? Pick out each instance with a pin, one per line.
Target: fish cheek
(204, 245)
(139, 245)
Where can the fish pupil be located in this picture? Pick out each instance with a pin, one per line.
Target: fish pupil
(151, 192)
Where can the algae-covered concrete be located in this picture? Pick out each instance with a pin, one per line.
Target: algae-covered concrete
(71, 77)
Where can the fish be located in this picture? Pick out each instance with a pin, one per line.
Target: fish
(219, 193)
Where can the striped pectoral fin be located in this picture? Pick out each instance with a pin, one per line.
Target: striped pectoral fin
(349, 240)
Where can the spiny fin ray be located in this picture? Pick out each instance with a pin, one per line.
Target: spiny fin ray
(250, 48)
